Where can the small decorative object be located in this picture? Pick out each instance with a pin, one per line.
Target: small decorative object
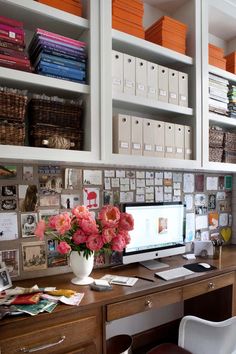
(79, 235)
(5, 280)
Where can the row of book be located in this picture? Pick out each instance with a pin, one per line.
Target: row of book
(218, 95)
(12, 45)
(58, 56)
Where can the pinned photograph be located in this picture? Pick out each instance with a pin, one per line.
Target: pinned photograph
(92, 177)
(28, 197)
(50, 185)
(73, 178)
(28, 224)
(34, 256)
(9, 191)
(212, 202)
(28, 173)
(5, 280)
(213, 220)
(11, 261)
(8, 171)
(45, 214)
(107, 197)
(69, 201)
(8, 204)
(54, 258)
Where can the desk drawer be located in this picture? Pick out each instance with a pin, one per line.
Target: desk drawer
(56, 339)
(205, 286)
(143, 303)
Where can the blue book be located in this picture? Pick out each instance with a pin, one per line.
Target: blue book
(60, 67)
(60, 61)
(74, 74)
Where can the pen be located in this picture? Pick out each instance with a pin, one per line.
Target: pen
(143, 278)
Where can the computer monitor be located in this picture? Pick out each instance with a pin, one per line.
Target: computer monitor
(157, 233)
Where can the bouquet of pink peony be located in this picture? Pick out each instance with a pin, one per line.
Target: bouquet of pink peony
(81, 232)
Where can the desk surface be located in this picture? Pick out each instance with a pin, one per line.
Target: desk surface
(142, 287)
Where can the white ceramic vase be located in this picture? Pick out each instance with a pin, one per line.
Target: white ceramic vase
(81, 267)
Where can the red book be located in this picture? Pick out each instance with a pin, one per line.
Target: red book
(3, 37)
(12, 53)
(12, 32)
(58, 37)
(11, 22)
(15, 60)
(13, 46)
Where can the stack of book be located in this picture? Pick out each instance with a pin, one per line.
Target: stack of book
(218, 94)
(127, 16)
(12, 45)
(169, 33)
(232, 101)
(216, 56)
(231, 62)
(72, 6)
(57, 56)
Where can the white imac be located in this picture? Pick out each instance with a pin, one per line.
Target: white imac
(157, 233)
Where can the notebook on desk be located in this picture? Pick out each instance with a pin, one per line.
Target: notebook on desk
(173, 273)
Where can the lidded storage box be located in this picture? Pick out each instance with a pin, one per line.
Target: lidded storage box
(12, 116)
(53, 117)
(216, 141)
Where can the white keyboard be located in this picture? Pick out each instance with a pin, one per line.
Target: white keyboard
(174, 273)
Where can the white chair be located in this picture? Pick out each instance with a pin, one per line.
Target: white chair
(206, 337)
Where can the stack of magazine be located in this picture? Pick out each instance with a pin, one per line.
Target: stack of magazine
(58, 56)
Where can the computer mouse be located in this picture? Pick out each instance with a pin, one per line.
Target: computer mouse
(205, 265)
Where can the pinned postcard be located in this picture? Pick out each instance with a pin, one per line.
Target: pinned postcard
(126, 197)
(92, 177)
(107, 183)
(8, 171)
(73, 178)
(109, 173)
(34, 255)
(28, 173)
(91, 197)
(107, 197)
(8, 226)
(188, 198)
(188, 186)
(212, 183)
(11, 260)
(228, 182)
(223, 219)
(190, 227)
(213, 220)
(70, 201)
(140, 174)
(201, 222)
(177, 177)
(120, 173)
(199, 183)
(159, 194)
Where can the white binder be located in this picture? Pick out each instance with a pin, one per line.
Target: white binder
(162, 83)
(183, 89)
(152, 80)
(179, 141)
(159, 133)
(117, 71)
(173, 86)
(188, 137)
(129, 74)
(121, 134)
(148, 137)
(136, 135)
(140, 77)
(169, 140)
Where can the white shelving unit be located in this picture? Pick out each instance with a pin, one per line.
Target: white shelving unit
(218, 20)
(187, 12)
(36, 15)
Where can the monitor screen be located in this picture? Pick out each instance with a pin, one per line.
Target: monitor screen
(157, 233)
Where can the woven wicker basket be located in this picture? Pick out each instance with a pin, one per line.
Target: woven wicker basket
(13, 106)
(229, 156)
(12, 133)
(41, 132)
(215, 154)
(216, 138)
(55, 113)
(230, 141)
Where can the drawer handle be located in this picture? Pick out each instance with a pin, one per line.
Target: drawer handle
(148, 303)
(211, 285)
(41, 347)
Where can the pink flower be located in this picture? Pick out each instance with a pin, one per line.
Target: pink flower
(125, 235)
(126, 222)
(79, 237)
(40, 229)
(51, 222)
(88, 225)
(118, 243)
(108, 235)
(62, 223)
(94, 242)
(109, 216)
(80, 211)
(63, 247)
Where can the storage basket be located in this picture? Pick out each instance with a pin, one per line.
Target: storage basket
(229, 156)
(55, 113)
(41, 132)
(12, 105)
(215, 154)
(230, 141)
(12, 133)
(216, 138)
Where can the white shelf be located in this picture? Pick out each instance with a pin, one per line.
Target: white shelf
(143, 104)
(223, 121)
(220, 167)
(222, 73)
(39, 15)
(40, 83)
(137, 47)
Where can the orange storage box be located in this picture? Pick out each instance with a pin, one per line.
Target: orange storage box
(231, 62)
(127, 27)
(215, 51)
(66, 6)
(125, 14)
(220, 63)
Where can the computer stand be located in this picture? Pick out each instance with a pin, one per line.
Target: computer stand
(152, 264)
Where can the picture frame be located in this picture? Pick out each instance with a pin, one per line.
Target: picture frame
(5, 279)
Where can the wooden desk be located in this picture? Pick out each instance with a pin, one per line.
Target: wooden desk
(84, 327)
